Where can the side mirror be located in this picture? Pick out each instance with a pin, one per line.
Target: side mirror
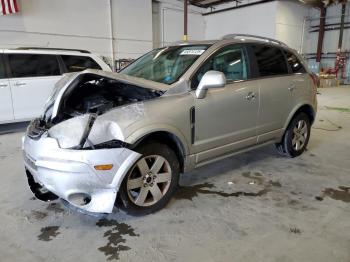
(211, 79)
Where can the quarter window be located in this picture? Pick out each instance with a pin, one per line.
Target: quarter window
(231, 60)
(79, 63)
(271, 60)
(294, 63)
(28, 65)
(2, 68)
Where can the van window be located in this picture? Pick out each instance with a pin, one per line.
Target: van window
(271, 60)
(231, 60)
(79, 63)
(294, 63)
(28, 65)
(2, 68)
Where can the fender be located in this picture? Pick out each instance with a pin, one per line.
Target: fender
(147, 130)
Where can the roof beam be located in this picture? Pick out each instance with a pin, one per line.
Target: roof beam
(210, 3)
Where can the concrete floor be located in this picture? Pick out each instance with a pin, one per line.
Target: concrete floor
(292, 209)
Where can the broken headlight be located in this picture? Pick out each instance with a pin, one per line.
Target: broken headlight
(73, 132)
(108, 144)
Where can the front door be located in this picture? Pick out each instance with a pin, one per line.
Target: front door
(6, 110)
(33, 79)
(225, 120)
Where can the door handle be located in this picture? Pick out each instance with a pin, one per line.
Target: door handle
(20, 84)
(3, 85)
(291, 87)
(250, 96)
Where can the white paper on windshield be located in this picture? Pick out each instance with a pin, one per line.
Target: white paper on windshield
(192, 52)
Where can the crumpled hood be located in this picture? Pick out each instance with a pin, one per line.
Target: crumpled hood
(111, 125)
(53, 103)
(106, 127)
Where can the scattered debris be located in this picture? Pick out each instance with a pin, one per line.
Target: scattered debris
(48, 233)
(295, 230)
(230, 183)
(115, 237)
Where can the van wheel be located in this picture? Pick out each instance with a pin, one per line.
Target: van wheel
(152, 181)
(296, 137)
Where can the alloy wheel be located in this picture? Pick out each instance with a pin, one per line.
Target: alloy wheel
(149, 180)
(300, 134)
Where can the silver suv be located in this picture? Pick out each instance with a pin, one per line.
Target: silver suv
(127, 136)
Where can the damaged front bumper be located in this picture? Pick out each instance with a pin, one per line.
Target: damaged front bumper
(71, 175)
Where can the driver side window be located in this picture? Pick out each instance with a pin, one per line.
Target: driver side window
(230, 60)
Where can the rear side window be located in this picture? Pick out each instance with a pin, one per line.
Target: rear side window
(270, 60)
(79, 63)
(2, 68)
(28, 65)
(294, 63)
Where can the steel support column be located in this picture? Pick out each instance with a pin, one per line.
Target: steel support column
(185, 20)
(341, 33)
(323, 13)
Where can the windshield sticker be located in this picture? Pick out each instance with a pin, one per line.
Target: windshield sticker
(192, 52)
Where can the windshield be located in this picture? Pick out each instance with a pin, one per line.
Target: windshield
(165, 65)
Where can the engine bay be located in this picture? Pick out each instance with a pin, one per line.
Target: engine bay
(96, 94)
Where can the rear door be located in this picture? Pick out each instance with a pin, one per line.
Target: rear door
(276, 100)
(299, 78)
(33, 77)
(6, 110)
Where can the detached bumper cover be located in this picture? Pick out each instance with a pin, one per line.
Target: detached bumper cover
(68, 172)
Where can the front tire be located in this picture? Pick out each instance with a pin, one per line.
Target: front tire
(152, 181)
(296, 137)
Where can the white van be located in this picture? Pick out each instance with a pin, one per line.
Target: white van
(28, 75)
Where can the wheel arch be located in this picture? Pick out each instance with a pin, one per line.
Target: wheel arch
(168, 138)
(305, 108)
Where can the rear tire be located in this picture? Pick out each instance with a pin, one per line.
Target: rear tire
(296, 137)
(152, 181)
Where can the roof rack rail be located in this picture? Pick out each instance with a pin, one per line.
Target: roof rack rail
(266, 39)
(53, 49)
